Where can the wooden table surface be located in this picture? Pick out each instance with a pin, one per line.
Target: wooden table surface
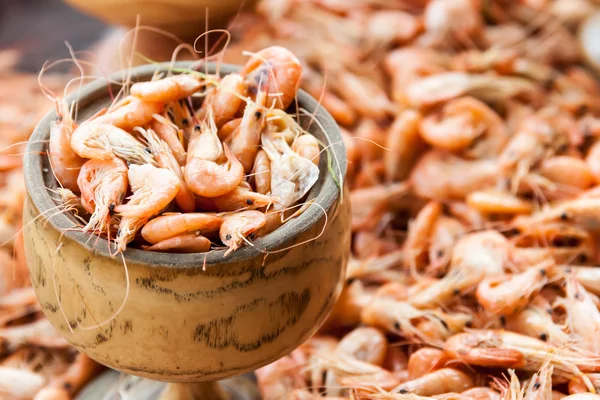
(39, 29)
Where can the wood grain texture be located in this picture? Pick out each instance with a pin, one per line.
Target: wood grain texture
(191, 317)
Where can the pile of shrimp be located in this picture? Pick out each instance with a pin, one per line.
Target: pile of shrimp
(472, 130)
(35, 362)
(157, 170)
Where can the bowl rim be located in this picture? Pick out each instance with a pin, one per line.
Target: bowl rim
(326, 197)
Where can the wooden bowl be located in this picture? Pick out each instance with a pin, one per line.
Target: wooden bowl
(184, 18)
(187, 317)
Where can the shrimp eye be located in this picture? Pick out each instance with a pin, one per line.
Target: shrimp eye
(564, 216)
(536, 386)
(543, 337)
(197, 127)
(440, 253)
(228, 237)
(185, 122)
(403, 391)
(542, 272)
(397, 326)
(111, 209)
(456, 292)
(67, 386)
(469, 324)
(503, 320)
(249, 202)
(582, 257)
(349, 281)
(148, 150)
(257, 114)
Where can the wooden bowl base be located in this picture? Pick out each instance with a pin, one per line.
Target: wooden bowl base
(238, 388)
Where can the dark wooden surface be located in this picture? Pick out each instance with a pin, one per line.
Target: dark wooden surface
(39, 29)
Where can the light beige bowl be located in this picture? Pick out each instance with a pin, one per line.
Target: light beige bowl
(188, 317)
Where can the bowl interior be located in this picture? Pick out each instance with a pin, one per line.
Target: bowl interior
(92, 97)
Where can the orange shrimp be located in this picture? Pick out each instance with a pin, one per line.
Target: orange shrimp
(437, 382)
(419, 232)
(238, 226)
(170, 134)
(466, 124)
(229, 129)
(245, 142)
(404, 144)
(153, 189)
(204, 174)
(283, 71)
(261, 173)
(239, 198)
(437, 89)
(498, 202)
(367, 97)
(64, 161)
(171, 225)
(536, 321)
(340, 110)
(308, 147)
(583, 317)
(577, 385)
(186, 243)
(443, 176)
(424, 361)
(506, 294)
(537, 137)
(475, 256)
(168, 89)
(445, 233)
(454, 20)
(498, 348)
(391, 26)
(567, 170)
(129, 113)
(67, 384)
(103, 185)
(364, 344)
(166, 159)
(226, 100)
(105, 141)
(346, 312)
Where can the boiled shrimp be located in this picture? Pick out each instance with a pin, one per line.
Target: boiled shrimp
(205, 174)
(168, 89)
(461, 123)
(467, 268)
(307, 146)
(365, 344)
(440, 175)
(244, 144)
(64, 161)
(445, 233)
(103, 186)
(281, 68)
(404, 144)
(536, 321)
(498, 202)
(166, 159)
(153, 189)
(261, 173)
(437, 382)
(424, 361)
(226, 100)
(67, 384)
(171, 225)
(497, 348)
(104, 142)
(292, 175)
(239, 198)
(129, 113)
(419, 231)
(456, 20)
(170, 134)
(506, 294)
(583, 316)
(238, 226)
(186, 243)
